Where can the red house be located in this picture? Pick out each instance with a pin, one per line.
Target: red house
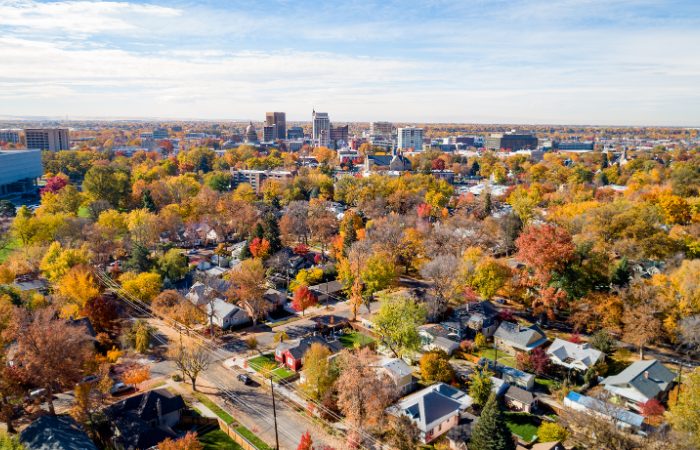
(291, 353)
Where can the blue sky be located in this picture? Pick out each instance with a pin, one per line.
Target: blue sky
(523, 61)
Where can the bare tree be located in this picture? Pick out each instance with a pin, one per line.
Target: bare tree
(192, 359)
(53, 352)
(441, 272)
(249, 287)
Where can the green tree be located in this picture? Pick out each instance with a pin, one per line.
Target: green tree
(435, 366)
(379, 273)
(397, 323)
(8, 442)
(491, 431)
(104, 182)
(480, 385)
(147, 201)
(490, 276)
(173, 264)
(272, 232)
(684, 414)
(139, 335)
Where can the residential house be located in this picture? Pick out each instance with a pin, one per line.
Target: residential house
(144, 420)
(509, 375)
(330, 323)
(480, 317)
(641, 382)
(512, 337)
(437, 337)
(328, 290)
(400, 373)
(225, 315)
(519, 399)
(291, 353)
(55, 433)
(623, 418)
(434, 410)
(460, 434)
(574, 356)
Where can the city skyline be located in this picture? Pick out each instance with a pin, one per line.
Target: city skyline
(627, 62)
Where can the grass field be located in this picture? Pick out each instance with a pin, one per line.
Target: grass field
(354, 339)
(206, 401)
(280, 373)
(522, 424)
(252, 438)
(218, 440)
(503, 357)
(9, 248)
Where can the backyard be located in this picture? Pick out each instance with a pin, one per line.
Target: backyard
(218, 440)
(268, 360)
(355, 339)
(503, 357)
(522, 424)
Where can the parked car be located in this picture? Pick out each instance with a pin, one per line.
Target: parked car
(120, 388)
(245, 379)
(37, 394)
(89, 379)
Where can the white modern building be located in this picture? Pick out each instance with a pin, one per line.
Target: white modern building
(321, 128)
(19, 170)
(410, 138)
(52, 139)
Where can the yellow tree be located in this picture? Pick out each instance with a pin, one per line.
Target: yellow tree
(58, 261)
(75, 288)
(144, 286)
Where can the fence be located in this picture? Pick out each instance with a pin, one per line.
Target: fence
(236, 436)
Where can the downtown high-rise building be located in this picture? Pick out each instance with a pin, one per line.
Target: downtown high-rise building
(410, 138)
(321, 132)
(9, 136)
(52, 139)
(381, 129)
(279, 121)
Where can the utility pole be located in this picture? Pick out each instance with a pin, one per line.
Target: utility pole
(274, 414)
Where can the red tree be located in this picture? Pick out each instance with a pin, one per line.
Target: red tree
(537, 361)
(54, 184)
(259, 248)
(303, 298)
(652, 408)
(545, 248)
(438, 164)
(301, 249)
(305, 443)
(424, 210)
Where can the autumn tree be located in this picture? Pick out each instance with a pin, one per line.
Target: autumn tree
(537, 361)
(641, 319)
(480, 385)
(143, 286)
(545, 248)
(248, 288)
(139, 335)
(188, 442)
(303, 298)
(52, 351)
(318, 376)
(403, 434)
(551, 432)
(103, 313)
(191, 359)
(435, 366)
(173, 265)
(684, 414)
(441, 272)
(76, 288)
(259, 247)
(136, 375)
(305, 443)
(362, 395)
(173, 305)
(397, 323)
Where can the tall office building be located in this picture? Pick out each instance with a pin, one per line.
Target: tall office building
(295, 133)
(9, 136)
(321, 128)
(269, 133)
(339, 135)
(279, 120)
(19, 170)
(511, 141)
(52, 139)
(410, 138)
(381, 129)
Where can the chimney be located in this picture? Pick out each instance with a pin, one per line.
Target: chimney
(646, 374)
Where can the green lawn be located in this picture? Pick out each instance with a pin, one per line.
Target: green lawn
(355, 339)
(84, 212)
(252, 438)
(546, 385)
(218, 440)
(13, 245)
(503, 357)
(280, 373)
(206, 401)
(522, 424)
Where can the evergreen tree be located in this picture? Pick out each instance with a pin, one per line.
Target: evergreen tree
(147, 201)
(349, 236)
(245, 251)
(491, 431)
(621, 274)
(140, 260)
(272, 232)
(258, 231)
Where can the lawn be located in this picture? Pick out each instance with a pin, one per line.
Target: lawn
(355, 339)
(278, 374)
(546, 385)
(522, 424)
(252, 438)
(9, 248)
(206, 401)
(218, 440)
(503, 357)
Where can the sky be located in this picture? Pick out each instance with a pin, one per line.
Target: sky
(598, 62)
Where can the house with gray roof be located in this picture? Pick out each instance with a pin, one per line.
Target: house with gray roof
(512, 337)
(641, 382)
(434, 410)
(55, 433)
(225, 315)
(574, 356)
(400, 373)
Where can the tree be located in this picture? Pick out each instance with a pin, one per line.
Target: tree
(139, 335)
(489, 277)
(318, 376)
(76, 288)
(403, 433)
(303, 298)
(480, 385)
(187, 442)
(143, 286)
(537, 361)
(642, 326)
(441, 272)
(652, 408)
(173, 305)
(103, 182)
(52, 351)
(192, 359)
(136, 375)
(397, 323)
(490, 431)
(272, 232)
(9, 442)
(684, 414)
(248, 288)
(58, 261)
(602, 340)
(435, 366)
(173, 265)
(524, 201)
(545, 248)
(551, 432)
(362, 395)
(7, 209)
(378, 274)
(356, 299)
(103, 313)
(259, 248)
(294, 223)
(305, 443)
